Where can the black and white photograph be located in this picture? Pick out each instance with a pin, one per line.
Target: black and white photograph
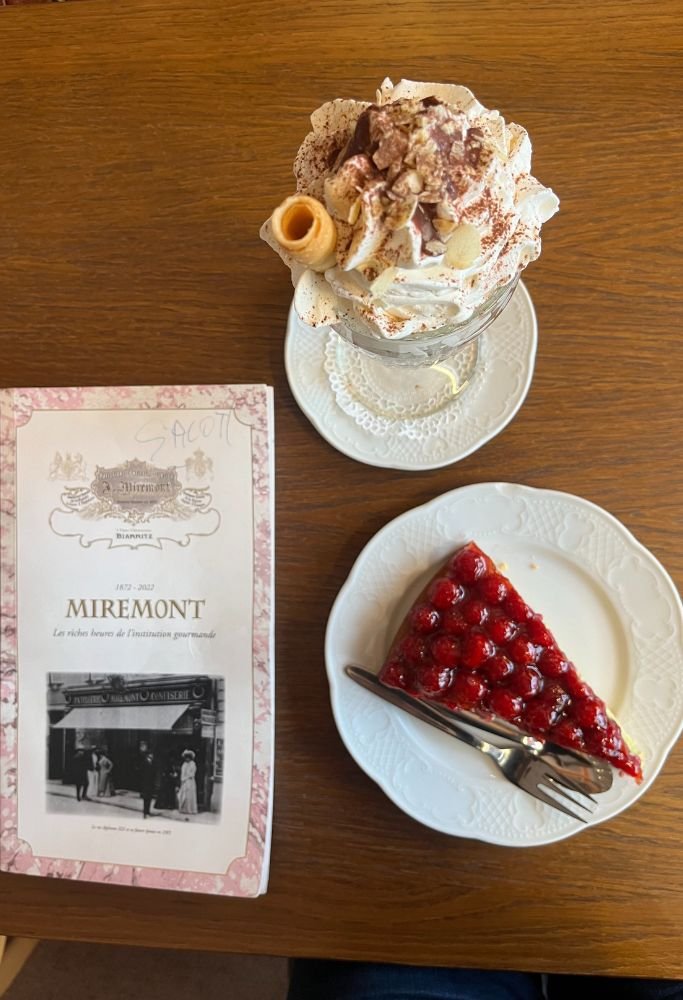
(144, 744)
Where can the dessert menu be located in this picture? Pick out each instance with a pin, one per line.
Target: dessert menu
(137, 660)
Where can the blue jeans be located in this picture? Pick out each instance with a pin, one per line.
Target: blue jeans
(326, 980)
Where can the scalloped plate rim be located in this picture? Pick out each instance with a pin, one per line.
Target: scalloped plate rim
(311, 414)
(335, 677)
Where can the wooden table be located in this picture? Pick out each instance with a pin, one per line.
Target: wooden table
(143, 142)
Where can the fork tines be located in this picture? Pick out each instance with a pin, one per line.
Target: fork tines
(563, 787)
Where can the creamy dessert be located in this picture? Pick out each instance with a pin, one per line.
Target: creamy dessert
(409, 212)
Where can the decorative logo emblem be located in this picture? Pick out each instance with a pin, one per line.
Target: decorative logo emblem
(135, 504)
(67, 466)
(136, 488)
(199, 466)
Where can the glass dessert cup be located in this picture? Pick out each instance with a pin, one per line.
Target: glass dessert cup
(417, 376)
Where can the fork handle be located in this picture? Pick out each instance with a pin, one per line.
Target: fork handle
(424, 711)
(465, 736)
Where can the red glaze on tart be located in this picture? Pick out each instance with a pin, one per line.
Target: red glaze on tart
(471, 642)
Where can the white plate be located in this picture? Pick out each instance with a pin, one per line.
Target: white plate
(612, 606)
(498, 389)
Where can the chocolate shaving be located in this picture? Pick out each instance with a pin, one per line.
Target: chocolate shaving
(360, 140)
(424, 139)
(423, 225)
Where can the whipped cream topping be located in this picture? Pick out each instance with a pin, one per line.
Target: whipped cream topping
(434, 204)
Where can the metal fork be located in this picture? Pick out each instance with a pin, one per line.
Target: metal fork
(584, 773)
(528, 772)
(520, 766)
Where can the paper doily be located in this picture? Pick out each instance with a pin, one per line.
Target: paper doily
(496, 391)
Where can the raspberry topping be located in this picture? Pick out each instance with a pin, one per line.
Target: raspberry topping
(472, 642)
(445, 651)
(426, 619)
(468, 564)
(555, 696)
(494, 588)
(552, 663)
(454, 623)
(435, 680)
(475, 612)
(590, 714)
(413, 650)
(526, 682)
(538, 633)
(515, 607)
(444, 593)
(501, 629)
(506, 704)
(499, 668)
(604, 743)
(476, 650)
(568, 734)
(397, 674)
(469, 689)
(573, 684)
(539, 717)
(522, 651)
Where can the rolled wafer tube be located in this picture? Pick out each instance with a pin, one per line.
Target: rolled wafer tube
(305, 229)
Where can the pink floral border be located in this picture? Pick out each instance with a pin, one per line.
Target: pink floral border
(250, 404)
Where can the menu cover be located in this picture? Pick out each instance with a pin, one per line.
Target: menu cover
(136, 622)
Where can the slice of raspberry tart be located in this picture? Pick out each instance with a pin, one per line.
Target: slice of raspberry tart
(471, 642)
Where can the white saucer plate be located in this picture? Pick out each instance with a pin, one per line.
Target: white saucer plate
(612, 606)
(497, 391)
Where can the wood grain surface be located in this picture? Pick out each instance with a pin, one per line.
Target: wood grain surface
(142, 144)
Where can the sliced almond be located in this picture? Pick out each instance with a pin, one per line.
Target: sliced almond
(354, 212)
(496, 131)
(445, 211)
(337, 203)
(464, 246)
(414, 181)
(444, 227)
(393, 170)
(401, 213)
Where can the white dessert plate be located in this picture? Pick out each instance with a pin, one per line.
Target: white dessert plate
(612, 606)
(498, 389)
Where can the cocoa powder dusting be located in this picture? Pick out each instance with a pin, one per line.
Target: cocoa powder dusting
(421, 151)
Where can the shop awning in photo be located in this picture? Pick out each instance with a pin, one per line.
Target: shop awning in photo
(166, 717)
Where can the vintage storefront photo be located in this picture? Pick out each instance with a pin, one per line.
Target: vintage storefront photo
(149, 744)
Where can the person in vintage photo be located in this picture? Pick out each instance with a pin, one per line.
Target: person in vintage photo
(169, 785)
(93, 774)
(187, 794)
(80, 773)
(148, 783)
(106, 782)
